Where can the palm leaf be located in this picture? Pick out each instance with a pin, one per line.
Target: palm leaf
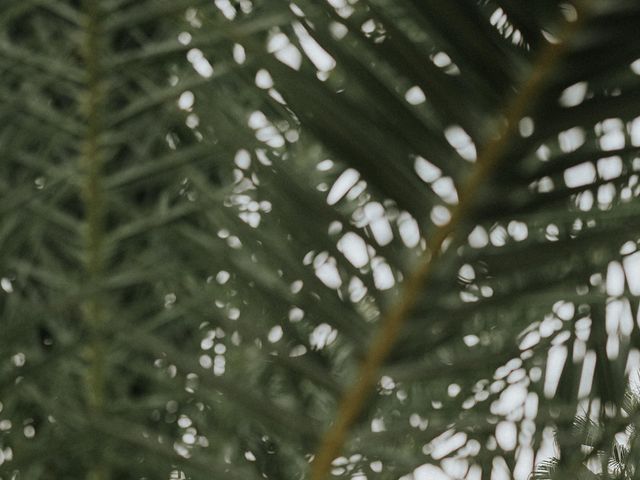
(423, 237)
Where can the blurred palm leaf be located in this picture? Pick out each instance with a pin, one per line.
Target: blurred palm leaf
(242, 237)
(618, 462)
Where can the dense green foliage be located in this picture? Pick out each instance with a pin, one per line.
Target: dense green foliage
(261, 239)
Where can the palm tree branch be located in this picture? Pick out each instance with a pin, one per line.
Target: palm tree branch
(354, 399)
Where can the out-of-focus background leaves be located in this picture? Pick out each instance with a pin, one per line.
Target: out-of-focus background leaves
(209, 212)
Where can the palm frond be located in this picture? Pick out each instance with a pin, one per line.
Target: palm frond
(239, 238)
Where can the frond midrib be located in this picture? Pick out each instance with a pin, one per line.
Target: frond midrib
(91, 160)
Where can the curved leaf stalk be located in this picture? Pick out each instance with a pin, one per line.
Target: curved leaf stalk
(354, 399)
(93, 310)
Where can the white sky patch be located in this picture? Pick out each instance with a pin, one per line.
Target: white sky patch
(357, 190)
(184, 38)
(205, 361)
(239, 54)
(292, 135)
(222, 277)
(478, 238)
(192, 121)
(377, 425)
(456, 136)
(613, 137)
(610, 125)
(531, 405)
(441, 59)
(573, 95)
(512, 397)
(262, 157)
(440, 215)
(354, 249)
(610, 167)
(518, 230)
(6, 285)
(634, 131)
(626, 318)
(454, 467)
(338, 30)
(443, 447)
(547, 449)
(606, 194)
(543, 153)
(572, 139)
(628, 247)
(555, 363)
(318, 56)
(277, 41)
(378, 223)
(381, 230)
(585, 201)
(186, 100)
(475, 473)
(369, 26)
(345, 12)
(242, 159)
(461, 141)
(226, 8)
(586, 378)
(382, 274)
(318, 260)
(342, 185)
(409, 231)
(298, 351)
(297, 11)
(500, 470)
(507, 435)
(296, 314)
(564, 310)
(631, 369)
(498, 18)
(526, 126)
(426, 170)
(373, 211)
(415, 96)
(263, 79)
(270, 136)
(199, 63)
(429, 472)
(471, 340)
(632, 269)
(620, 310)
(615, 279)
(467, 273)
(334, 228)
(290, 56)
(357, 290)
(338, 3)
(257, 120)
(325, 165)
(328, 274)
(446, 190)
(580, 175)
(498, 236)
(275, 334)
(322, 336)
(265, 133)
